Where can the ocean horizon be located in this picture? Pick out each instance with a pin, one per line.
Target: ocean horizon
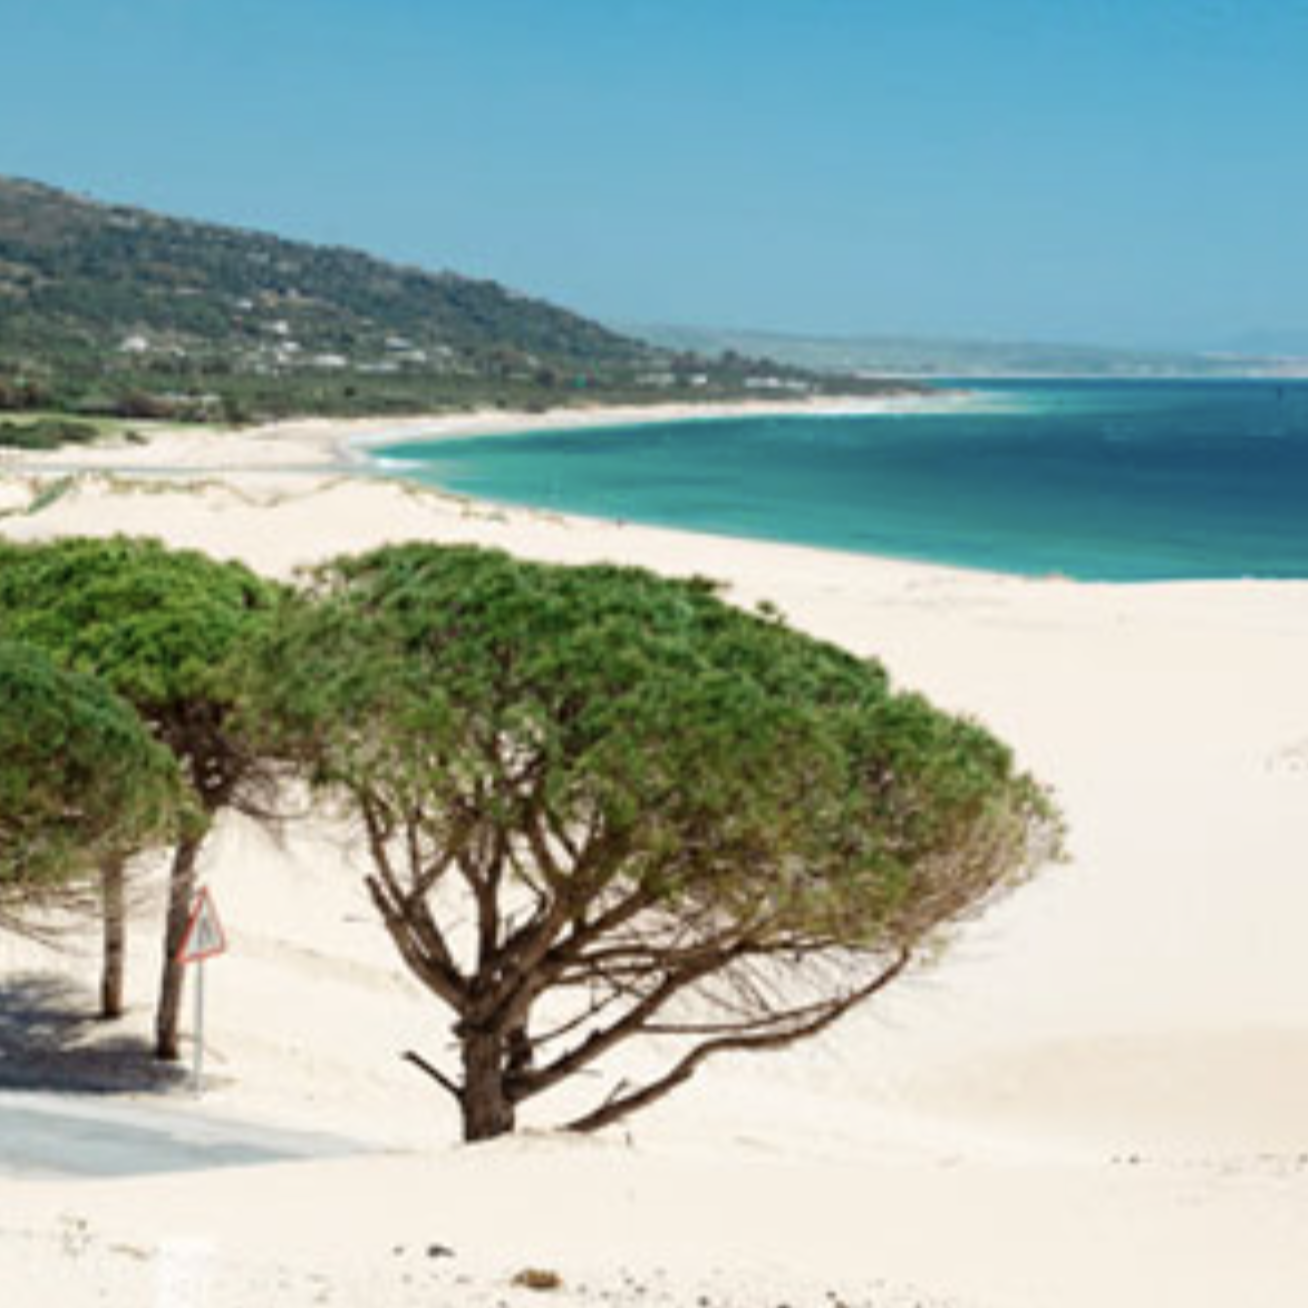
(1093, 480)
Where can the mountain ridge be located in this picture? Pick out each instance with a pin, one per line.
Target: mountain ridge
(108, 306)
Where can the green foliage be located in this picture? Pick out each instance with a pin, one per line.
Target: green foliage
(80, 778)
(46, 434)
(730, 755)
(621, 791)
(162, 628)
(167, 630)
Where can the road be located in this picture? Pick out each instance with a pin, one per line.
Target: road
(47, 1135)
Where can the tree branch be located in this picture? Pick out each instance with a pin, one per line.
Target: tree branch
(599, 1042)
(411, 1056)
(615, 1108)
(439, 976)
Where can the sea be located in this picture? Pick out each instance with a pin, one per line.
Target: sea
(1121, 481)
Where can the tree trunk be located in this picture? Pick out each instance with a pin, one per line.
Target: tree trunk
(487, 1108)
(181, 891)
(113, 891)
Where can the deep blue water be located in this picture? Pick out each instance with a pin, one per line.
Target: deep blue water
(1096, 480)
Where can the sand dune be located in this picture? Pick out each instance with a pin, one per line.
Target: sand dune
(1101, 1097)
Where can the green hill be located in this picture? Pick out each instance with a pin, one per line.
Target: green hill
(105, 308)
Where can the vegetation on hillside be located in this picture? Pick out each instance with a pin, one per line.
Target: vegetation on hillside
(111, 309)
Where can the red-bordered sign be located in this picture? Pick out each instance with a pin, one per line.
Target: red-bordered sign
(204, 936)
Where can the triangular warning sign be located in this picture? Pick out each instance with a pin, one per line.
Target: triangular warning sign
(204, 933)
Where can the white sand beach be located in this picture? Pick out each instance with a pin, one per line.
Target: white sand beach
(1099, 1098)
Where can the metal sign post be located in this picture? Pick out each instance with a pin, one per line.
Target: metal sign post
(204, 938)
(198, 1071)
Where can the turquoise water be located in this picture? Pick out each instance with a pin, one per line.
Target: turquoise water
(1094, 480)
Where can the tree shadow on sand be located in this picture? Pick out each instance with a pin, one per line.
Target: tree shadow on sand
(50, 1039)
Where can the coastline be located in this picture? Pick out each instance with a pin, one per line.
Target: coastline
(1120, 1049)
(620, 417)
(331, 444)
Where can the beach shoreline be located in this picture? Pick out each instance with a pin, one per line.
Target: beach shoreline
(340, 444)
(490, 423)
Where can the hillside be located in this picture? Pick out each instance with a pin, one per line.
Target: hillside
(906, 356)
(109, 308)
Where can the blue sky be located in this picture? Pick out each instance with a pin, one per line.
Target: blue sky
(1128, 171)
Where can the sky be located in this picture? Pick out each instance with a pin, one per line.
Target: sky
(1125, 172)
